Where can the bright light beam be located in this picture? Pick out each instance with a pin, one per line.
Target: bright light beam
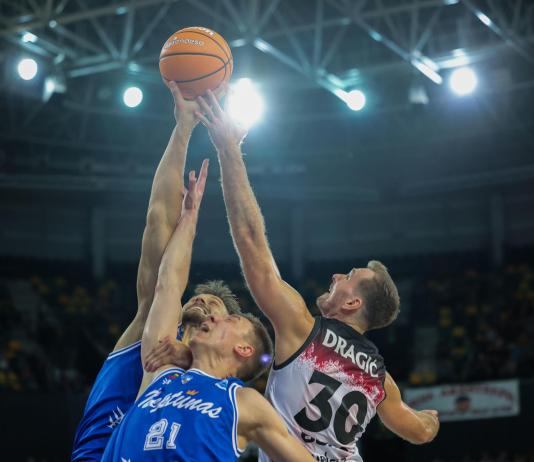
(29, 37)
(132, 96)
(463, 81)
(27, 68)
(354, 99)
(245, 103)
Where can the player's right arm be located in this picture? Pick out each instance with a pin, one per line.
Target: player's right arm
(259, 422)
(417, 427)
(164, 208)
(282, 304)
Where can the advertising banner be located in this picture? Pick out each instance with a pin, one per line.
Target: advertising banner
(486, 400)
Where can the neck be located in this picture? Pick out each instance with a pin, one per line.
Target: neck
(357, 325)
(211, 363)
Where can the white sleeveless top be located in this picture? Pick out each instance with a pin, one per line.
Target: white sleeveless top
(328, 391)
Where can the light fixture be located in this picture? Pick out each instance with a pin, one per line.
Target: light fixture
(463, 81)
(245, 103)
(132, 96)
(29, 37)
(27, 68)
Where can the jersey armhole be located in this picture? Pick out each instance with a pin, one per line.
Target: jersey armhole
(160, 374)
(311, 336)
(383, 388)
(232, 389)
(124, 350)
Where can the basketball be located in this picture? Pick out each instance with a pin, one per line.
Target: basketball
(197, 59)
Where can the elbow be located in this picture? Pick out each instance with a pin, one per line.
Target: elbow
(424, 436)
(155, 215)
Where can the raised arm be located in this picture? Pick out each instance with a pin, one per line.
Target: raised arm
(164, 208)
(165, 312)
(282, 304)
(417, 427)
(259, 422)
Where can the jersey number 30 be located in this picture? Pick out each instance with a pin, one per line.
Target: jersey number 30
(321, 402)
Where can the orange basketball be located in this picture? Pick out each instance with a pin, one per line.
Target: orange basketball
(197, 59)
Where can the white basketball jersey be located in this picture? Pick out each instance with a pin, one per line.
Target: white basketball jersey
(328, 391)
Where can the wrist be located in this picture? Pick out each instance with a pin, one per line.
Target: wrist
(186, 123)
(230, 149)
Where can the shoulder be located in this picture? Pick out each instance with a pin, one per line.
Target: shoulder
(248, 396)
(253, 407)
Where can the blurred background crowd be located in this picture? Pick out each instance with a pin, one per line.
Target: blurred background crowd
(60, 325)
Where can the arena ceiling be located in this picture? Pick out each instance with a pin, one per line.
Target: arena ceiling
(400, 52)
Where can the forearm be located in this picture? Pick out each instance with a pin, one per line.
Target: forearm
(167, 188)
(163, 211)
(165, 313)
(244, 215)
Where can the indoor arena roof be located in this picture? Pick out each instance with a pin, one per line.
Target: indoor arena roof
(304, 55)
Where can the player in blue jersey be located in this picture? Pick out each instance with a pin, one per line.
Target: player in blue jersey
(204, 413)
(117, 383)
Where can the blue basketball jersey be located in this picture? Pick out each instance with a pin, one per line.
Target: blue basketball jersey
(182, 416)
(113, 393)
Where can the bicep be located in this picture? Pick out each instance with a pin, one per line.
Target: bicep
(280, 302)
(270, 433)
(156, 236)
(163, 319)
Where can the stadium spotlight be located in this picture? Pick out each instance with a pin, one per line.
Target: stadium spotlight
(132, 96)
(355, 100)
(245, 103)
(27, 68)
(463, 81)
(28, 37)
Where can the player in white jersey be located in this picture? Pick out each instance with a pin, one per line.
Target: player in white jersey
(328, 380)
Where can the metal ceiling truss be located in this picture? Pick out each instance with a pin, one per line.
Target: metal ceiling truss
(82, 39)
(260, 23)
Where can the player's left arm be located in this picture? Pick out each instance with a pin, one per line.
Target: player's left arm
(417, 427)
(259, 422)
(164, 208)
(166, 310)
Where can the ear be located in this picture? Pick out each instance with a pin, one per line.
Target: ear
(244, 351)
(353, 304)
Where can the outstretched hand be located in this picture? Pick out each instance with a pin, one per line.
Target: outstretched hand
(224, 132)
(184, 110)
(195, 191)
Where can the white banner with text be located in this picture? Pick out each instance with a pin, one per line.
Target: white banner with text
(486, 400)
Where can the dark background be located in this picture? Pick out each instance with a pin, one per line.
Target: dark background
(441, 192)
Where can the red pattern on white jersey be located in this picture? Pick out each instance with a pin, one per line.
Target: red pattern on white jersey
(338, 369)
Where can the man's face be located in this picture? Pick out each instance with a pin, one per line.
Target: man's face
(199, 307)
(223, 332)
(343, 289)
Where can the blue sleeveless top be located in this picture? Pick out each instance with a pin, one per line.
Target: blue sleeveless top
(113, 392)
(182, 416)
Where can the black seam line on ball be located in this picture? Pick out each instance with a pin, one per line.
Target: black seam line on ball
(205, 75)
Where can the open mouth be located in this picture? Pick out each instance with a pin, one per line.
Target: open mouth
(200, 308)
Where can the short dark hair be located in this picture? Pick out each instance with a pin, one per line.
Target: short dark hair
(220, 289)
(263, 351)
(380, 297)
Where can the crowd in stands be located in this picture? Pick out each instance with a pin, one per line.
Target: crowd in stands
(484, 321)
(57, 344)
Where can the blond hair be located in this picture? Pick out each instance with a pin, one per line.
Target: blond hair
(380, 296)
